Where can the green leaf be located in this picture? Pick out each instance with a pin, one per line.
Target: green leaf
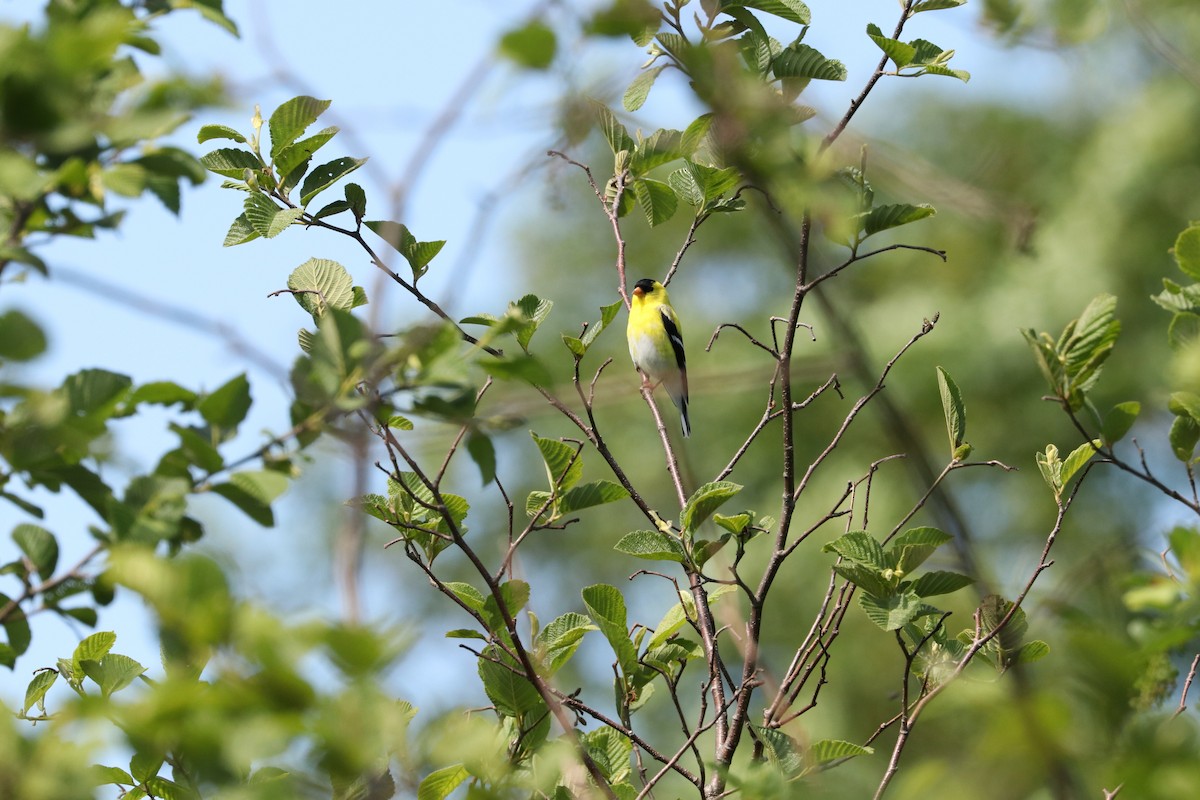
(1187, 251)
(563, 466)
(1050, 465)
(791, 10)
(952, 407)
(483, 453)
(112, 775)
(1032, 651)
(113, 672)
(559, 640)
(900, 53)
(292, 158)
(208, 132)
(20, 337)
(657, 199)
(639, 90)
(859, 547)
(1078, 457)
(39, 546)
(939, 582)
(319, 283)
(227, 406)
(326, 175)
(510, 692)
(910, 549)
(267, 219)
(869, 579)
(1184, 404)
(35, 693)
(356, 198)
(163, 393)
(892, 612)
(291, 119)
(590, 494)
(614, 132)
(231, 162)
(828, 751)
(471, 597)
(240, 232)
(532, 45)
(704, 501)
(92, 648)
(1119, 420)
(1184, 434)
(936, 5)
(607, 609)
(798, 60)
(417, 254)
(882, 218)
(652, 546)
(440, 783)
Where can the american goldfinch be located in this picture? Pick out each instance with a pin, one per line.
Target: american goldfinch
(656, 345)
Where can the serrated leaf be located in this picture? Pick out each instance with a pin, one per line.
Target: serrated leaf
(607, 609)
(781, 750)
(208, 132)
(324, 176)
(39, 546)
(952, 408)
(1032, 651)
(291, 119)
(563, 467)
(240, 232)
(900, 53)
(657, 199)
(859, 547)
(892, 612)
(266, 218)
(319, 283)
(936, 5)
(791, 10)
(593, 493)
(940, 582)
(92, 648)
(1187, 251)
(231, 162)
(938, 69)
(639, 90)
(910, 549)
(440, 783)
(827, 751)
(35, 693)
(798, 60)
(882, 218)
(510, 692)
(294, 155)
(1078, 457)
(652, 546)
(613, 131)
(468, 594)
(357, 200)
(1183, 436)
(869, 579)
(704, 501)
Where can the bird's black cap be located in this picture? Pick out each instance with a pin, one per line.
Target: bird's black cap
(645, 284)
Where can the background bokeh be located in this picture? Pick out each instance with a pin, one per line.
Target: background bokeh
(1062, 170)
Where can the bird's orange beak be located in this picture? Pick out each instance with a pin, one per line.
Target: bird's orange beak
(637, 291)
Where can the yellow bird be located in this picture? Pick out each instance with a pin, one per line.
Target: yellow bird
(656, 345)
